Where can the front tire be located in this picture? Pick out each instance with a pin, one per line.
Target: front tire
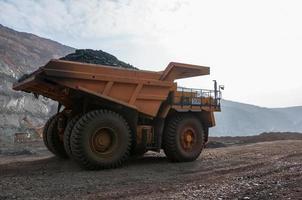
(183, 138)
(100, 139)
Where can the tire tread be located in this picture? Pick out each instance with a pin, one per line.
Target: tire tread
(76, 138)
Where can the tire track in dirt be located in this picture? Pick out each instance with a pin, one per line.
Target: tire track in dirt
(234, 172)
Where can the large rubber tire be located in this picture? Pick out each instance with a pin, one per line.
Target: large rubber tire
(178, 149)
(88, 136)
(54, 141)
(45, 129)
(67, 133)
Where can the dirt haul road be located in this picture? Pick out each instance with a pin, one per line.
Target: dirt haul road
(268, 170)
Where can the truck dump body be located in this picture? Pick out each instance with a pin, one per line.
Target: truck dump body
(141, 90)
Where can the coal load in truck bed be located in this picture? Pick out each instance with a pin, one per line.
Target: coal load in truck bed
(96, 57)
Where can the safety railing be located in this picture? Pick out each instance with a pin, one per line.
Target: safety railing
(197, 97)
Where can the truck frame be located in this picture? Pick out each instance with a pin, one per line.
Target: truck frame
(110, 113)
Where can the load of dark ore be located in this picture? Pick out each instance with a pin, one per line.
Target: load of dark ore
(93, 57)
(96, 57)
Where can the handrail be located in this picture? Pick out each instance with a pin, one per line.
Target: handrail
(197, 97)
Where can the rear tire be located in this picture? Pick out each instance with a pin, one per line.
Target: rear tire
(183, 138)
(45, 129)
(67, 134)
(100, 139)
(54, 141)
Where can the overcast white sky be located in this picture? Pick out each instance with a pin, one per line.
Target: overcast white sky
(253, 47)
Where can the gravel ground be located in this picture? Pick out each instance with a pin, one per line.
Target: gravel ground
(268, 170)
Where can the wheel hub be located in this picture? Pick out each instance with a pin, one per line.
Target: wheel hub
(188, 139)
(102, 140)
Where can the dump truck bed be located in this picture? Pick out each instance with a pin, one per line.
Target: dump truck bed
(141, 90)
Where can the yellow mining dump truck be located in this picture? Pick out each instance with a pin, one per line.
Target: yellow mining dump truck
(111, 113)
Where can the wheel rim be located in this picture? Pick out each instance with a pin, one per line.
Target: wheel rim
(103, 141)
(188, 139)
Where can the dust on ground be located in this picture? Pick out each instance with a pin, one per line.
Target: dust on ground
(267, 170)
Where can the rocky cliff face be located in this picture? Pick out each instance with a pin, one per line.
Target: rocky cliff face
(23, 53)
